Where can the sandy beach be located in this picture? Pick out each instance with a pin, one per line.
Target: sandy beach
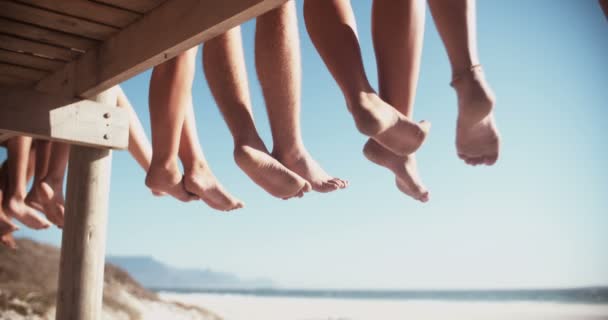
(241, 307)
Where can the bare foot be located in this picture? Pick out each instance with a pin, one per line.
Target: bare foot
(253, 158)
(377, 119)
(201, 182)
(8, 241)
(51, 204)
(477, 137)
(167, 179)
(16, 208)
(306, 167)
(404, 168)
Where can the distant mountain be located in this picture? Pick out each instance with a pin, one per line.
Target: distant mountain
(28, 289)
(152, 273)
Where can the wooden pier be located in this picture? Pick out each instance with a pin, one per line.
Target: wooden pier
(59, 60)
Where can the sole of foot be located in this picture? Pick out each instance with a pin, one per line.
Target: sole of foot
(203, 183)
(44, 198)
(306, 167)
(168, 180)
(23, 213)
(380, 121)
(404, 168)
(477, 136)
(269, 173)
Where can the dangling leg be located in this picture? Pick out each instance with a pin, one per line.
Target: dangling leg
(331, 26)
(6, 225)
(277, 57)
(398, 31)
(13, 202)
(170, 87)
(477, 137)
(224, 65)
(198, 178)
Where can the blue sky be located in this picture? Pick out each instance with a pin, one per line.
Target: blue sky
(537, 218)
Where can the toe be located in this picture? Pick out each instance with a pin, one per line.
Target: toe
(341, 183)
(424, 197)
(425, 126)
(327, 186)
(491, 160)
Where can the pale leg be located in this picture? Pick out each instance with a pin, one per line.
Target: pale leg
(170, 87)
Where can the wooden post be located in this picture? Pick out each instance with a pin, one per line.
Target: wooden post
(83, 244)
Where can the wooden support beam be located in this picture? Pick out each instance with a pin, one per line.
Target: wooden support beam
(83, 244)
(171, 28)
(52, 117)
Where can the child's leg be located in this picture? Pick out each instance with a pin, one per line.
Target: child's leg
(477, 138)
(13, 202)
(198, 178)
(331, 26)
(604, 5)
(398, 32)
(224, 66)
(170, 87)
(278, 66)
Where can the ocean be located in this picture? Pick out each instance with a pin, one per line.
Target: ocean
(296, 304)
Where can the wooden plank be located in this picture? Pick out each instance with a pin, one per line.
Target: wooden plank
(5, 136)
(34, 33)
(51, 117)
(15, 82)
(88, 10)
(21, 72)
(141, 6)
(55, 21)
(83, 243)
(37, 48)
(27, 60)
(117, 59)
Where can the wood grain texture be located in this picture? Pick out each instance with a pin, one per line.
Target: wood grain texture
(55, 21)
(141, 6)
(36, 48)
(89, 10)
(28, 60)
(46, 36)
(131, 51)
(57, 118)
(83, 244)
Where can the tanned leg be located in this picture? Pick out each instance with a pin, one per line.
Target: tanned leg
(41, 196)
(13, 202)
(170, 87)
(331, 26)
(477, 137)
(398, 31)
(278, 65)
(198, 178)
(139, 146)
(224, 65)
(6, 225)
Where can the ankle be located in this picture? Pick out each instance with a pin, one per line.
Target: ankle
(292, 151)
(196, 166)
